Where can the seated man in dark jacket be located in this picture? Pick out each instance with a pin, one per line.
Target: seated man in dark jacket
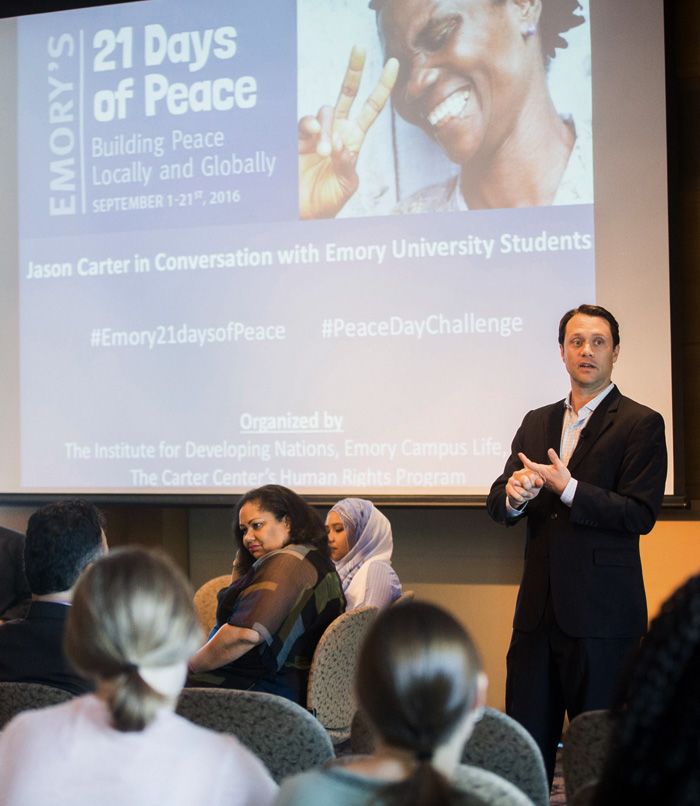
(14, 591)
(62, 539)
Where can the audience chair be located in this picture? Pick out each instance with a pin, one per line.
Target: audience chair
(498, 744)
(489, 787)
(282, 734)
(406, 596)
(18, 697)
(586, 744)
(362, 738)
(205, 601)
(330, 693)
(501, 745)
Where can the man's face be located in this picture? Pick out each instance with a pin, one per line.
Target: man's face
(588, 353)
(465, 69)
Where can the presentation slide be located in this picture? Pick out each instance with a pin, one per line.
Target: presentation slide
(323, 245)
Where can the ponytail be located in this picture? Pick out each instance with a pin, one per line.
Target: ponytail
(132, 702)
(131, 628)
(425, 786)
(417, 680)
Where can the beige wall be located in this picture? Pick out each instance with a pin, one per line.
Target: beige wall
(670, 554)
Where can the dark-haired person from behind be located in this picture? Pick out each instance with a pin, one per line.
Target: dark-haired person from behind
(655, 749)
(419, 682)
(62, 539)
(284, 592)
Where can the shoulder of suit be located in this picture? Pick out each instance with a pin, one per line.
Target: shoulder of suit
(632, 407)
(615, 400)
(546, 410)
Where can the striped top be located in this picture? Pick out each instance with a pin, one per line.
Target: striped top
(289, 597)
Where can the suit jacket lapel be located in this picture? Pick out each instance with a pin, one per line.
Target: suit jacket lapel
(601, 419)
(554, 424)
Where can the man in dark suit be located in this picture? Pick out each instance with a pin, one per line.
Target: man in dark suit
(62, 539)
(588, 473)
(14, 591)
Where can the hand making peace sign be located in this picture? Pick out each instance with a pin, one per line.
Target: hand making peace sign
(330, 142)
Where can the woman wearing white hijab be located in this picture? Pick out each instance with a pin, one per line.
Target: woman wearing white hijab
(359, 538)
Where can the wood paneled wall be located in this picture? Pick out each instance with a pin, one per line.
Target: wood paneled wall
(683, 45)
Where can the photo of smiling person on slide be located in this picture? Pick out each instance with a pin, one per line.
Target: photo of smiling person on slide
(473, 76)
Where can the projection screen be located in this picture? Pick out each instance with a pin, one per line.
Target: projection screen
(198, 300)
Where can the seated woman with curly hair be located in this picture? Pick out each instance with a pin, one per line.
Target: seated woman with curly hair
(283, 594)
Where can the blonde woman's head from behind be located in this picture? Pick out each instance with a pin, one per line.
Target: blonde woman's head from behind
(132, 628)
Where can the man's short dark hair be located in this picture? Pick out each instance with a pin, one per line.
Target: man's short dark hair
(590, 310)
(62, 538)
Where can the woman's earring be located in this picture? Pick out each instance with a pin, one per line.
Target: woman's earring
(530, 31)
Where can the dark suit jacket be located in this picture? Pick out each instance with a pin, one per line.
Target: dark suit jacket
(14, 590)
(31, 650)
(589, 554)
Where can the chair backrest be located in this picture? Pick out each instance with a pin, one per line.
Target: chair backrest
(205, 600)
(362, 738)
(489, 787)
(502, 746)
(330, 693)
(406, 596)
(498, 744)
(18, 697)
(286, 737)
(586, 744)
